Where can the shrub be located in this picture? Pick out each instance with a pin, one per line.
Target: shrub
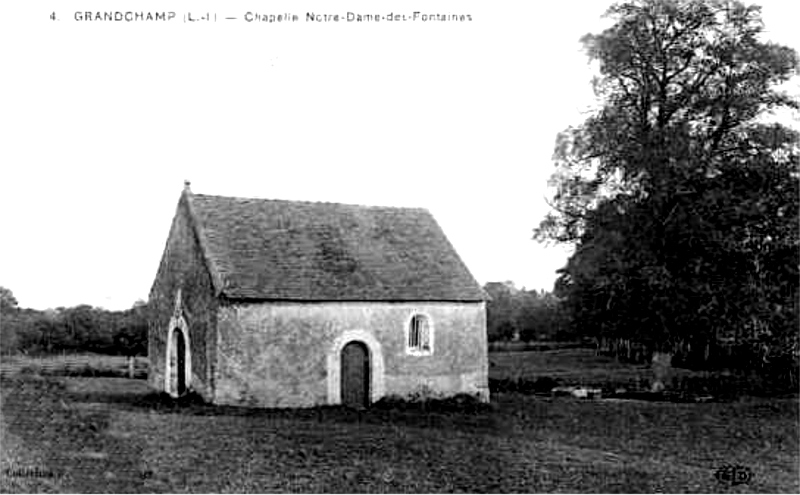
(542, 385)
(456, 403)
(31, 369)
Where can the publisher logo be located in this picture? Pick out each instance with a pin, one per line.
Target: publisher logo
(734, 474)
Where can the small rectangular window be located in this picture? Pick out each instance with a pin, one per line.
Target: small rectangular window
(419, 335)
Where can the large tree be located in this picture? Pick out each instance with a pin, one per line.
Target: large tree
(679, 195)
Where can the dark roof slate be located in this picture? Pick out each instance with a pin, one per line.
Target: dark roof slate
(290, 250)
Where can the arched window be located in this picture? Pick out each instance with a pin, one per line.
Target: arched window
(420, 335)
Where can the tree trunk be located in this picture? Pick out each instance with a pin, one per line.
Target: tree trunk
(131, 362)
(661, 365)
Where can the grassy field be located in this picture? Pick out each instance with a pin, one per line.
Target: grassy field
(578, 366)
(584, 367)
(79, 434)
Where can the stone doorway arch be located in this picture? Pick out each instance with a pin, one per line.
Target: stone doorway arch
(355, 371)
(178, 373)
(372, 354)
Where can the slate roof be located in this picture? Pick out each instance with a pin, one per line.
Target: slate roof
(259, 249)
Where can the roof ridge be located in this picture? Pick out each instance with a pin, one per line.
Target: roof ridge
(309, 202)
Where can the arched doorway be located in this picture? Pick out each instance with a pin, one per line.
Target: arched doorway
(178, 372)
(180, 365)
(374, 360)
(355, 377)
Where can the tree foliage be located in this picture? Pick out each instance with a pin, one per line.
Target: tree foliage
(679, 195)
(514, 313)
(82, 328)
(8, 303)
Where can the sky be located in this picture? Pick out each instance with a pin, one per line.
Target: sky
(101, 123)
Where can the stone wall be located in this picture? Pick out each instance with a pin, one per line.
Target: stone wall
(182, 266)
(279, 354)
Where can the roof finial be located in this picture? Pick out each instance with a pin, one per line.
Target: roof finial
(187, 186)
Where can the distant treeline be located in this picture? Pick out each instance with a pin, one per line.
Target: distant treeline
(80, 328)
(519, 315)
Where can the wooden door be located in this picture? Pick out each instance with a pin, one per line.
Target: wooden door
(355, 375)
(180, 352)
